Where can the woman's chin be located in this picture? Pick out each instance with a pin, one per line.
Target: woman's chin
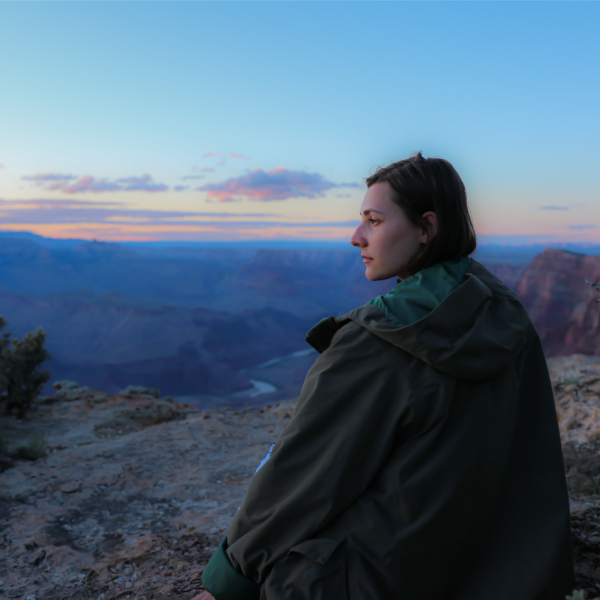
(376, 275)
(373, 275)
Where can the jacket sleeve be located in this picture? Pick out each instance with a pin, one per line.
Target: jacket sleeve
(345, 424)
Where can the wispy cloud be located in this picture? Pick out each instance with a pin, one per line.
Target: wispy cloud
(1, 165)
(41, 178)
(208, 155)
(143, 183)
(87, 183)
(115, 221)
(582, 226)
(222, 162)
(181, 188)
(45, 211)
(234, 155)
(277, 184)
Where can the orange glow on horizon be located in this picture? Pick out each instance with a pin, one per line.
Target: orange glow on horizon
(199, 232)
(192, 232)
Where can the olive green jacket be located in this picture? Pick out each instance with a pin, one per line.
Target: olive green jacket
(423, 462)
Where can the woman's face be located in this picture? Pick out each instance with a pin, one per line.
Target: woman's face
(387, 239)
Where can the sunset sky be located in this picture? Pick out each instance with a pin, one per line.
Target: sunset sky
(224, 121)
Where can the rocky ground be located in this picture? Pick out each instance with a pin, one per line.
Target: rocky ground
(137, 491)
(133, 497)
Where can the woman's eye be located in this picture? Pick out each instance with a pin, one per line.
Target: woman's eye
(373, 221)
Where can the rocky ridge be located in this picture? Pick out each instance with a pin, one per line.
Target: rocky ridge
(562, 307)
(138, 490)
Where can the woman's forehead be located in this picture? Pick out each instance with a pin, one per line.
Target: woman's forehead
(378, 199)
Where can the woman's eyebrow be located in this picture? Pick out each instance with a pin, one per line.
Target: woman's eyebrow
(370, 210)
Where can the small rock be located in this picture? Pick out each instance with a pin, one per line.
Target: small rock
(139, 389)
(65, 385)
(70, 487)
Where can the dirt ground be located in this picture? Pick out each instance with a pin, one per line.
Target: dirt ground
(137, 491)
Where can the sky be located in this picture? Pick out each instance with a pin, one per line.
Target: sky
(229, 121)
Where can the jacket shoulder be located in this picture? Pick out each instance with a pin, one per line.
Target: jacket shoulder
(496, 285)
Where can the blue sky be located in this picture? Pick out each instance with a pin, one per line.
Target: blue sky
(113, 114)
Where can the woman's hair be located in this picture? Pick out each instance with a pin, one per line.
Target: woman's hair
(431, 184)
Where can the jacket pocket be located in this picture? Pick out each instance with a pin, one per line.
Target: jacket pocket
(312, 570)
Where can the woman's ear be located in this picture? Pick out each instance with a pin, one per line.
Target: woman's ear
(429, 232)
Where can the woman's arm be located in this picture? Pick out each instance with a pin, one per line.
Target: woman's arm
(345, 425)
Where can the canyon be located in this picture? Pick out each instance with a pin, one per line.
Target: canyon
(198, 321)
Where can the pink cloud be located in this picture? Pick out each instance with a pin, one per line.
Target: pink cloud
(208, 154)
(1, 165)
(87, 183)
(207, 169)
(234, 155)
(277, 184)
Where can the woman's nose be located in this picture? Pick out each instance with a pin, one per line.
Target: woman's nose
(357, 238)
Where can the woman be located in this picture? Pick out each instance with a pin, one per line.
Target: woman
(423, 460)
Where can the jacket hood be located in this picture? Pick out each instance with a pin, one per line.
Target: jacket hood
(473, 333)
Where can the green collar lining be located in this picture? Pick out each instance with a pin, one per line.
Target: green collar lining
(415, 297)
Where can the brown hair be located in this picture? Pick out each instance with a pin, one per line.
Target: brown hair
(431, 184)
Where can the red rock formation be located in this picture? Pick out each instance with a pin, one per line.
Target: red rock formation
(562, 307)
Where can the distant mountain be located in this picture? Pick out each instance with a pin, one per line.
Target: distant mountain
(113, 341)
(562, 307)
(185, 319)
(305, 282)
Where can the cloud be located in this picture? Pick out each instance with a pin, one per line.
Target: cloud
(180, 188)
(552, 207)
(41, 178)
(87, 183)
(208, 154)
(207, 169)
(143, 183)
(582, 226)
(277, 184)
(46, 211)
(1, 165)
(51, 204)
(221, 162)
(192, 177)
(234, 155)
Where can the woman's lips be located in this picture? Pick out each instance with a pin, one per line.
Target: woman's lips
(366, 259)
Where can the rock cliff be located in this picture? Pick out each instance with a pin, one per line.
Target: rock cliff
(562, 307)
